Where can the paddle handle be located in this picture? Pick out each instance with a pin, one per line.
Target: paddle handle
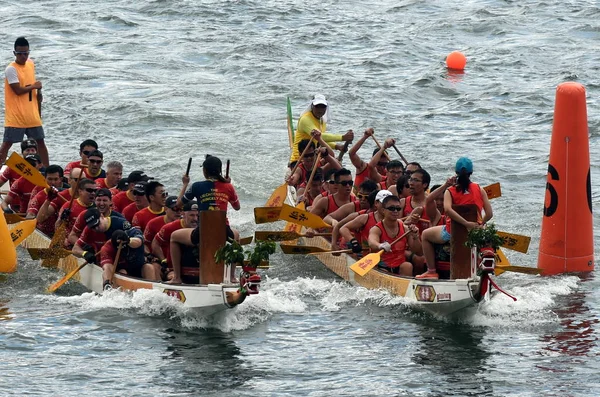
(314, 170)
(316, 234)
(116, 262)
(379, 146)
(227, 169)
(400, 154)
(399, 238)
(187, 171)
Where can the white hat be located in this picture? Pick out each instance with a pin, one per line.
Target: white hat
(382, 194)
(319, 100)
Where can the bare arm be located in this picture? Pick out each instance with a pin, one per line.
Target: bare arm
(157, 250)
(358, 163)
(340, 213)
(18, 90)
(487, 207)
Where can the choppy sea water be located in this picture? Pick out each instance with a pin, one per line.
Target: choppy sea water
(157, 82)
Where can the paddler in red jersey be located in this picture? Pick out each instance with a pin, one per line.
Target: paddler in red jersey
(140, 201)
(393, 259)
(156, 195)
(114, 173)
(344, 182)
(85, 148)
(94, 169)
(464, 192)
(365, 170)
(53, 202)
(86, 193)
(28, 146)
(54, 175)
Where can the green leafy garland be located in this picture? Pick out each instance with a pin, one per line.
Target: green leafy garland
(484, 237)
(232, 252)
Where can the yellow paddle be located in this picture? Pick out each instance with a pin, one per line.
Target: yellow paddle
(73, 272)
(13, 218)
(22, 167)
(515, 242)
(301, 217)
(367, 263)
(266, 214)
(282, 235)
(21, 231)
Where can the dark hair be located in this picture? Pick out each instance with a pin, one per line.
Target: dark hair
(394, 164)
(53, 169)
(96, 153)
(371, 197)
(21, 42)
(403, 180)
(434, 187)
(390, 198)
(83, 182)
(368, 186)
(328, 174)
(213, 167)
(151, 188)
(304, 143)
(414, 163)
(376, 150)
(318, 175)
(88, 142)
(463, 181)
(341, 172)
(425, 175)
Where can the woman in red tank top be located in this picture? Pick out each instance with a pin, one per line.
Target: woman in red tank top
(462, 192)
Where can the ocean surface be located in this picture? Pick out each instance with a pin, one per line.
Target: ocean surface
(156, 82)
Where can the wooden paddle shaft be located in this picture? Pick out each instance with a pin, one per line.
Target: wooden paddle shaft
(378, 145)
(343, 151)
(116, 261)
(301, 156)
(227, 169)
(346, 251)
(400, 154)
(314, 170)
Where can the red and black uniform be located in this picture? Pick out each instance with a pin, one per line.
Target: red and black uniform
(20, 193)
(122, 200)
(36, 202)
(65, 197)
(92, 240)
(79, 225)
(71, 165)
(471, 196)
(163, 238)
(424, 223)
(397, 257)
(211, 195)
(145, 215)
(130, 259)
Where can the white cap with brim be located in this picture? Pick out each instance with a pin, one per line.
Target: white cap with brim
(382, 194)
(319, 100)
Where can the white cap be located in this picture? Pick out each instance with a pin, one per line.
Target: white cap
(319, 100)
(382, 194)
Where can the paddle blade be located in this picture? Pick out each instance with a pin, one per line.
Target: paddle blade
(300, 217)
(13, 218)
(66, 278)
(367, 263)
(493, 190)
(18, 164)
(22, 231)
(246, 240)
(275, 236)
(278, 197)
(300, 249)
(522, 269)
(266, 214)
(515, 242)
(48, 253)
(56, 245)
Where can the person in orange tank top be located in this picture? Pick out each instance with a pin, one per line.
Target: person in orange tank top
(381, 236)
(464, 192)
(365, 170)
(22, 103)
(354, 206)
(343, 178)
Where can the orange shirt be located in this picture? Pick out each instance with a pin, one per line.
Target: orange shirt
(398, 255)
(21, 111)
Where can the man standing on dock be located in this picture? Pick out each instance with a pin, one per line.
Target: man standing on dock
(23, 103)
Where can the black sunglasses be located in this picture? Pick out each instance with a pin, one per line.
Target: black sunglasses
(346, 183)
(86, 152)
(96, 161)
(21, 52)
(307, 155)
(91, 190)
(394, 208)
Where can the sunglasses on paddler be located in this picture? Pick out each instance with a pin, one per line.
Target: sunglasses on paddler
(345, 183)
(394, 208)
(91, 190)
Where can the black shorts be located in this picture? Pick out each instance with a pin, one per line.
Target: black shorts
(195, 236)
(133, 269)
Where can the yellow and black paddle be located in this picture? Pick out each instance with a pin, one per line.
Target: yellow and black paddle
(515, 242)
(22, 167)
(493, 190)
(21, 231)
(289, 214)
(367, 263)
(282, 235)
(48, 253)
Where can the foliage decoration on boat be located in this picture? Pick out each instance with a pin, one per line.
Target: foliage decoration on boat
(486, 236)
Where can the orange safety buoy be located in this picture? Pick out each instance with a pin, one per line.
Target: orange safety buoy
(456, 60)
(567, 240)
(8, 256)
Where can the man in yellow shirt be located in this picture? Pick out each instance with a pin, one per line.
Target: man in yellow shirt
(316, 118)
(23, 103)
